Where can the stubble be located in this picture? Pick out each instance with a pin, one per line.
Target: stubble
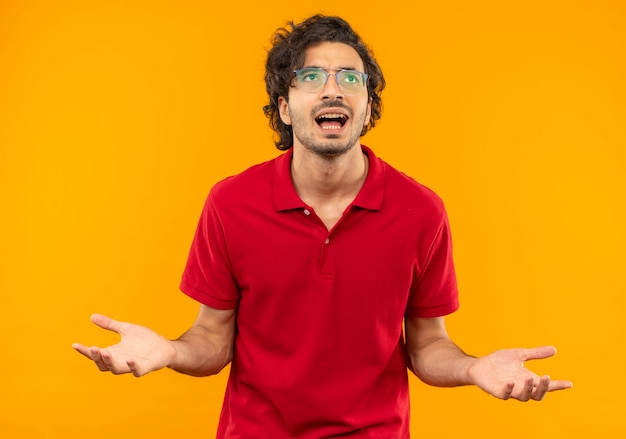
(330, 146)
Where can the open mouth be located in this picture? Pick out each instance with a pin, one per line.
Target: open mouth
(331, 121)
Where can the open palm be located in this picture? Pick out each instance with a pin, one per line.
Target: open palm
(503, 374)
(139, 351)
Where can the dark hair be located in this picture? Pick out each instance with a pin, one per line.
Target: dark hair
(287, 54)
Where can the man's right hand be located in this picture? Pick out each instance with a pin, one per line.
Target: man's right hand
(139, 352)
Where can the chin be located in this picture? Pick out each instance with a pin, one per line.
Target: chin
(329, 150)
(328, 145)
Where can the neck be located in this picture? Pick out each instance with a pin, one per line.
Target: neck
(321, 179)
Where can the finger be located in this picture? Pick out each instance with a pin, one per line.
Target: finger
(107, 323)
(132, 366)
(93, 353)
(507, 391)
(539, 353)
(542, 387)
(114, 367)
(96, 355)
(83, 350)
(560, 385)
(527, 390)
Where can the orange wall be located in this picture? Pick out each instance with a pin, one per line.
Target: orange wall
(116, 118)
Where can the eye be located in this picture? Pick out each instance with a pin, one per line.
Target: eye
(311, 75)
(352, 78)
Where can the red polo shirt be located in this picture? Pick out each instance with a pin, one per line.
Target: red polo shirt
(319, 350)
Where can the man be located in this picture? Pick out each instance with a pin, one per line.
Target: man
(307, 266)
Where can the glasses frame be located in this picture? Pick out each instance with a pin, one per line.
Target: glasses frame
(363, 76)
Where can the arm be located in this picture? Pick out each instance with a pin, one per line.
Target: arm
(434, 358)
(437, 361)
(203, 350)
(207, 347)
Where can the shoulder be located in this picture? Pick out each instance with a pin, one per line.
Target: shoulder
(246, 185)
(405, 190)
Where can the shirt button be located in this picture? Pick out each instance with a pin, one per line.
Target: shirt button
(327, 241)
(307, 212)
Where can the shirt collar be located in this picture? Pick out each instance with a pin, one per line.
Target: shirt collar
(369, 197)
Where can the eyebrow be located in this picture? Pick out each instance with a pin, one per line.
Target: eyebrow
(326, 68)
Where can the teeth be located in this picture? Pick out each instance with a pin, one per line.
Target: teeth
(332, 116)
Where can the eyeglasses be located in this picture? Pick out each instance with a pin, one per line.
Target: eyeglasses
(313, 79)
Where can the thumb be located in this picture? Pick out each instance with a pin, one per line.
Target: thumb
(107, 323)
(540, 352)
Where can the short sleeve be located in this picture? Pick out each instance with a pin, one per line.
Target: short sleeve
(208, 276)
(434, 291)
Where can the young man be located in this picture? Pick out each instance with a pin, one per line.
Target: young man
(307, 266)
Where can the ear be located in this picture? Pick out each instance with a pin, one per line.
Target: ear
(368, 116)
(283, 110)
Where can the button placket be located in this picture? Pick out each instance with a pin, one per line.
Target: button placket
(310, 213)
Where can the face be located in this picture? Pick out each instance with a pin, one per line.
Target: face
(328, 122)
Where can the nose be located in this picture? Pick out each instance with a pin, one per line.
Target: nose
(331, 89)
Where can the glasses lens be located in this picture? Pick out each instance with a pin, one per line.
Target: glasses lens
(350, 81)
(311, 79)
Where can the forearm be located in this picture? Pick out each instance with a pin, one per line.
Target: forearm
(441, 363)
(200, 352)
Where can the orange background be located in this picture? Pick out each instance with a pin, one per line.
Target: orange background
(116, 117)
